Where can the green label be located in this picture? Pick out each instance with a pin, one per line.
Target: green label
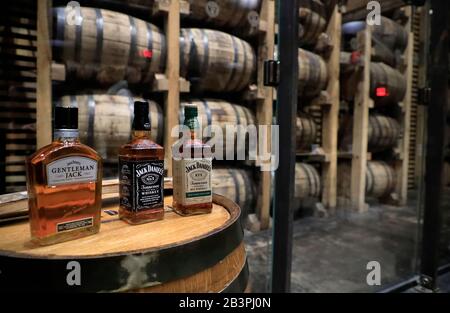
(198, 194)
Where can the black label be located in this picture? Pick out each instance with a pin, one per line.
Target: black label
(141, 184)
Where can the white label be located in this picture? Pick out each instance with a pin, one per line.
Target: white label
(71, 170)
(192, 181)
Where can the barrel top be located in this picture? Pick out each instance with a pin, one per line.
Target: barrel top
(118, 238)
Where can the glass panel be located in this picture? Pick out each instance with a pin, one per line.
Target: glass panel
(367, 238)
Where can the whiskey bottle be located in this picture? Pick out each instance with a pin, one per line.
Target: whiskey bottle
(141, 173)
(192, 192)
(64, 181)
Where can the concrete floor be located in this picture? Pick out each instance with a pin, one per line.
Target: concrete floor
(331, 254)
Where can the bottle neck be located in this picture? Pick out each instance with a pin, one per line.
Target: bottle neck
(192, 124)
(141, 134)
(66, 135)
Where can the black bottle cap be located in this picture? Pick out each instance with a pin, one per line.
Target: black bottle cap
(141, 119)
(66, 118)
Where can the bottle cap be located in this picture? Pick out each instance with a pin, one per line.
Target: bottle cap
(66, 118)
(141, 119)
(190, 111)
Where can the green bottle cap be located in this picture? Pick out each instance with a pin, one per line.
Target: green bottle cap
(190, 111)
(190, 116)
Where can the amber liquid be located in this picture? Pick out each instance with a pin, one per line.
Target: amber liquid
(51, 205)
(197, 148)
(141, 148)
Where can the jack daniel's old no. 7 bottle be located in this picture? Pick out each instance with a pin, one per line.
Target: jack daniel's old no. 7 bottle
(141, 172)
(64, 182)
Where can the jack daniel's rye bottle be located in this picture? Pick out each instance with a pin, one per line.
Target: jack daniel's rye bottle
(64, 185)
(141, 172)
(192, 192)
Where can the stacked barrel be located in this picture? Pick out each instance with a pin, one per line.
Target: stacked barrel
(115, 53)
(385, 123)
(218, 57)
(313, 54)
(17, 92)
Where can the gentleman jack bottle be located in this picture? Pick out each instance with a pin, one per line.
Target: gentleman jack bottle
(141, 172)
(192, 192)
(64, 181)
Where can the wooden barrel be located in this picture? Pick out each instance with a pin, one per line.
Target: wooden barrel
(105, 121)
(380, 179)
(203, 253)
(306, 132)
(384, 75)
(236, 185)
(307, 182)
(109, 46)
(312, 73)
(381, 53)
(227, 13)
(216, 61)
(223, 114)
(384, 132)
(392, 34)
(313, 20)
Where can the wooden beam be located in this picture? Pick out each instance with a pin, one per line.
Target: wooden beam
(172, 97)
(43, 79)
(331, 115)
(361, 126)
(405, 122)
(264, 109)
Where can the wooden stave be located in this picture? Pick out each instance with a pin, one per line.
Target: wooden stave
(382, 53)
(219, 243)
(241, 187)
(383, 133)
(222, 113)
(306, 132)
(87, 125)
(214, 74)
(236, 284)
(372, 188)
(88, 64)
(313, 20)
(305, 172)
(379, 184)
(310, 80)
(383, 74)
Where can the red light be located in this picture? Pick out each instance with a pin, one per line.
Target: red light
(355, 57)
(381, 92)
(146, 53)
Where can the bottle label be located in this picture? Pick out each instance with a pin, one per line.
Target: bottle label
(71, 170)
(192, 181)
(72, 225)
(141, 184)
